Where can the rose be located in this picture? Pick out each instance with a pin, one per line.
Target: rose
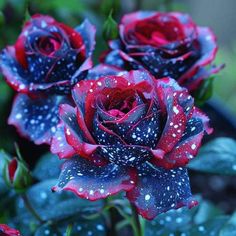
(48, 55)
(166, 44)
(47, 59)
(5, 230)
(130, 132)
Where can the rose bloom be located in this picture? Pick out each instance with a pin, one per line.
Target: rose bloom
(130, 132)
(166, 44)
(5, 230)
(47, 59)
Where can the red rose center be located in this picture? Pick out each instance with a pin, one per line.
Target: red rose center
(157, 31)
(48, 45)
(120, 103)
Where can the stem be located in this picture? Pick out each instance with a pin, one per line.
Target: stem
(135, 222)
(30, 208)
(69, 229)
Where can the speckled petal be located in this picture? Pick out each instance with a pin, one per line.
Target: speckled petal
(36, 118)
(159, 190)
(91, 182)
(125, 155)
(188, 146)
(87, 31)
(75, 136)
(102, 70)
(12, 71)
(175, 121)
(59, 144)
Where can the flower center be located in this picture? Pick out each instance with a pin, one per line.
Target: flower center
(158, 31)
(48, 45)
(120, 103)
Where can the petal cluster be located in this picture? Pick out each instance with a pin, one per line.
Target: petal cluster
(130, 132)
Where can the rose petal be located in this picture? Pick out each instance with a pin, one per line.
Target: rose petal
(74, 135)
(5, 230)
(188, 146)
(159, 190)
(147, 131)
(87, 31)
(103, 135)
(36, 118)
(102, 70)
(126, 155)
(13, 73)
(91, 182)
(59, 144)
(175, 122)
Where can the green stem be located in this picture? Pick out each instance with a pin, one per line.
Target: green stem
(30, 208)
(69, 229)
(135, 222)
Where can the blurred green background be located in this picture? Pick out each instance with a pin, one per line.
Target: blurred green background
(217, 14)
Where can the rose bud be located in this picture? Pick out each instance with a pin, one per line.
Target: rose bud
(5, 230)
(166, 44)
(133, 133)
(17, 175)
(46, 61)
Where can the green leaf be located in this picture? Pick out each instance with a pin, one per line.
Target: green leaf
(80, 227)
(48, 167)
(216, 157)
(211, 227)
(180, 222)
(204, 92)
(171, 221)
(55, 206)
(110, 28)
(206, 211)
(229, 228)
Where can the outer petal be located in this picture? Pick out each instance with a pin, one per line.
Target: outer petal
(13, 72)
(188, 146)
(176, 117)
(36, 118)
(120, 59)
(59, 144)
(203, 73)
(75, 136)
(102, 70)
(159, 190)
(87, 31)
(5, 230)
(92, 182)
(208, 49)
(134, 16)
